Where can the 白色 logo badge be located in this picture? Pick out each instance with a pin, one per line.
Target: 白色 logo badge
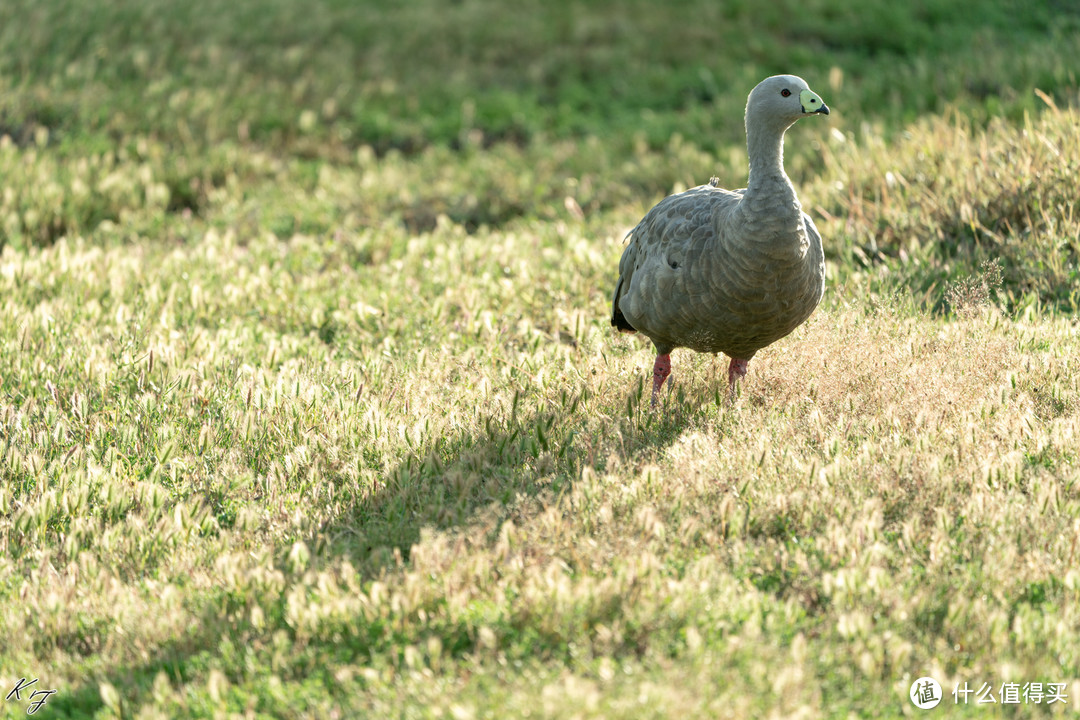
(925, 693)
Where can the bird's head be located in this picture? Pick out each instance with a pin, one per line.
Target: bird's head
(785, 99)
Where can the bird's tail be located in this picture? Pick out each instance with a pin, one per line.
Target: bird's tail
(618, 320)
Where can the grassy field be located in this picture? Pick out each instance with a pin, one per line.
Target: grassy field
(310, 406)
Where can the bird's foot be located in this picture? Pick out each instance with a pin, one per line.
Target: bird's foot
(736, 370)
(660, 372)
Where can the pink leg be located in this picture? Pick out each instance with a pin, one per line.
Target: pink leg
(660, 371)
(736, 370)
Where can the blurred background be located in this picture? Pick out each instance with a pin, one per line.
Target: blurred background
(152, 118)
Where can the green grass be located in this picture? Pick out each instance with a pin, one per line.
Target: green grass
(310, 407)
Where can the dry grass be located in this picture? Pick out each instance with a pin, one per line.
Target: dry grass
(405, 497)
(948, 196)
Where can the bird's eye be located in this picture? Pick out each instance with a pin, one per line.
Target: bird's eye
(785, 92)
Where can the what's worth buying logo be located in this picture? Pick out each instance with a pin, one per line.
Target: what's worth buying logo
(926, 693)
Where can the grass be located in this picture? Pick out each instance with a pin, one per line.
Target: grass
(310, 406)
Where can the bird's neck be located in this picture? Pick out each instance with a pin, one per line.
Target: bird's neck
(765, 148)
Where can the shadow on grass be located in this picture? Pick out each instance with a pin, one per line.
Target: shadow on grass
(447, 483)
(538, 452)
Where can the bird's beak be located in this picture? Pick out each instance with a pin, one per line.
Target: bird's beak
(812, 104)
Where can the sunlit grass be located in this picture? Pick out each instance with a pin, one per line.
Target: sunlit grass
(221, 469)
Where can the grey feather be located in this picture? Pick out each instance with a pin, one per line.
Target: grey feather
(726, 271)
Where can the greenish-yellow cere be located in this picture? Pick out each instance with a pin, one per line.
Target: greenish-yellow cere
(810, 101)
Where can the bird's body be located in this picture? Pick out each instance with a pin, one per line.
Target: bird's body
(716, 270)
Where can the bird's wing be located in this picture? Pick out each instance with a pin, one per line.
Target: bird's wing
(818, 255)
(671, 236)
(812, 234)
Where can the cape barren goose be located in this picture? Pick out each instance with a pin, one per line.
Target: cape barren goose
(720, 271)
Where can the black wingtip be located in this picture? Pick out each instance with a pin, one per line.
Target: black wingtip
(618, 321)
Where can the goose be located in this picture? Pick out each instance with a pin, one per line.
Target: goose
(727, 271)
